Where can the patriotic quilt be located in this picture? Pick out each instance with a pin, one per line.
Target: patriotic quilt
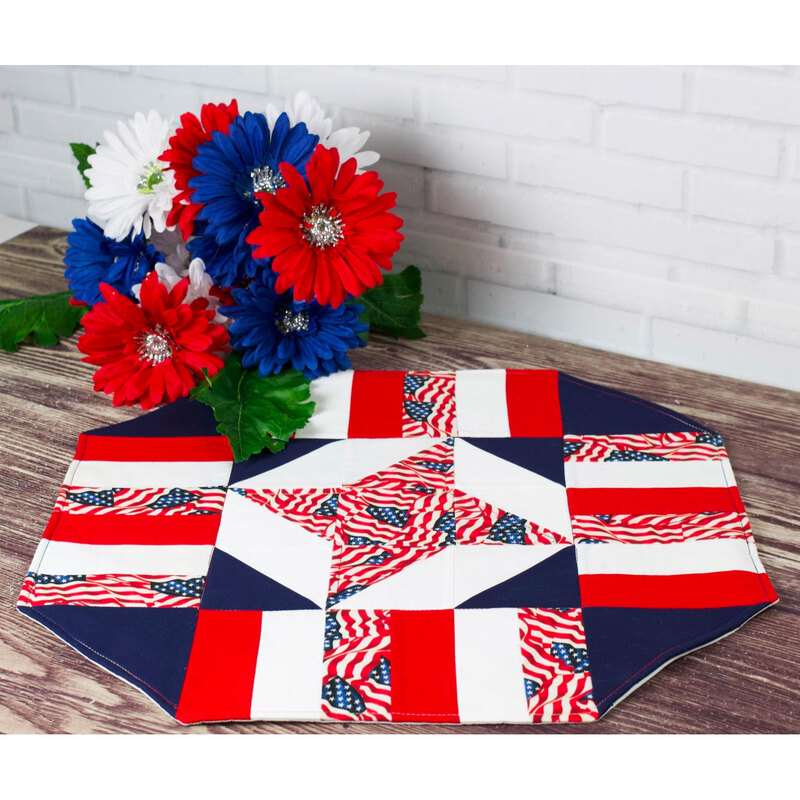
(479, 546)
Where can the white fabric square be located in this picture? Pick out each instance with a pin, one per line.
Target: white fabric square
(424, 584)
(489, 677)
(512, 488)
(338, 463)
(289, 668)
(276, 547)
(149, 474)
(331, 419)
(70, 558)
(675, 558)
(481, 566)
(481, 406)
(645, 474)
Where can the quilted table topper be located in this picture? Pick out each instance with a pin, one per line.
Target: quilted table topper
(479, 546)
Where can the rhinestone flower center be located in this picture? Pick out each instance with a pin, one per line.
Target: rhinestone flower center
(265, 180)
(322, 226)
(150, 177)
(155, 345)
(292, 321)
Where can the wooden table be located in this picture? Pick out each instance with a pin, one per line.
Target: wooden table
(747, 683)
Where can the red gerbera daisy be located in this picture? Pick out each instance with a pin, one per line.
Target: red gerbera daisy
(153, 352)
(328, 237)
(183, 148)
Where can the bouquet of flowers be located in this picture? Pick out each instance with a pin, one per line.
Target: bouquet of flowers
(234, 259)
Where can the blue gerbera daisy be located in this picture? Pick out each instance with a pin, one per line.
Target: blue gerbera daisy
(93, 258)
(226, 265)
(233, 167)
(272, 330)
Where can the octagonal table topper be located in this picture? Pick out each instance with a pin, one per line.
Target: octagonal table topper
(475, 546)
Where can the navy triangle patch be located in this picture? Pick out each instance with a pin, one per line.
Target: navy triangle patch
(552, 583)
(626, 645)
(587, 408)
(232, 585)
(153, 643)
(184, 417)
(544, 456)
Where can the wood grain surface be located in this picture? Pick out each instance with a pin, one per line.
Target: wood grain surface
(746, 683)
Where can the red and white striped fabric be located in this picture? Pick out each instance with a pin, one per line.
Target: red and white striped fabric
(159, 528)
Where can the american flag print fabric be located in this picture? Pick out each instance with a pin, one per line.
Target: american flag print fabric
(132, 591)
(558, 684)
(481, 523)
(92, 500)
(659, 528)
(315, 510)
(478, 546)
(357, 684)
(686, 446)
(429, 404)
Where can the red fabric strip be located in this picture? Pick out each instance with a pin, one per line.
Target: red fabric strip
(701, 590)
(153, 448)
(736, 498)
(376, 405)
(533, 405)
(136, 529)
(222, 667)
(683, 500)
(423, 666)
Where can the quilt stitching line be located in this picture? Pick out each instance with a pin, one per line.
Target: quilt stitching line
(675, 648)
(55, 517)
(679, 648)
(686, 642)
(69, 637)
(748, 537)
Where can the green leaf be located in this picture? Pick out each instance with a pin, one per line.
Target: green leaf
(44, 318)
(394, 306)
(82, 153)
(255, 412)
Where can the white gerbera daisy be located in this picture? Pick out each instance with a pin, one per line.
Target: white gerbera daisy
(171, 245)
(348, 141)
(131, 191)
(200, 285)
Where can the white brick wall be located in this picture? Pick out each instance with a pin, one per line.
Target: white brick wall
(647, 210)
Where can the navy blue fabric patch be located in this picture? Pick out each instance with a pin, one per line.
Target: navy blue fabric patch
(263, 462)
(148, 647)
(184, 417)
(625, 645)
(588, 408)
(543, 456)
(552, 583)
(233, 585)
